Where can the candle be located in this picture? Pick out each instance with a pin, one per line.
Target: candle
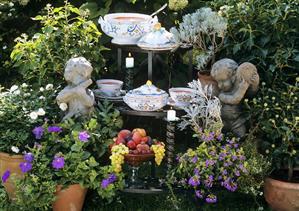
(171, 115)
(129, 61)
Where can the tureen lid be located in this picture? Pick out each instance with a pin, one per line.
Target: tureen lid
(147, 89)
(158, 37)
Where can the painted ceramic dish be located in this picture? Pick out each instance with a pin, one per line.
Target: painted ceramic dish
(158, 39)
(182, 96)
(126, 28)
(146, 98)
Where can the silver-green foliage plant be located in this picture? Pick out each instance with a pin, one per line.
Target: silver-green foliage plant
(204, 30)
(66, 32)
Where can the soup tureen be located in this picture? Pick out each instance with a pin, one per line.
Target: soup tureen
(146, 98)
(126, 28)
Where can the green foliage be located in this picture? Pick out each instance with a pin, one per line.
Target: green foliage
(258, 168)
(22, 108)
(277, 115)
(66, 33)
(264, 33)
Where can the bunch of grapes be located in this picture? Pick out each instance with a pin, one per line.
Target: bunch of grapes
(117, 157)
(159, 150)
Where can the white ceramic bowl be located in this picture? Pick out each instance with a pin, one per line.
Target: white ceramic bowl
(146, 102)
(110, 87)
(126, 28)
(182, 95)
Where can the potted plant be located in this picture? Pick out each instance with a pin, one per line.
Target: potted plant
(21, 108)
(204, 30)
(275, 112)
(216, 161)
(60, 167)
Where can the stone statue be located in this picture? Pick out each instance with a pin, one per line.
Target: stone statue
(79, 99)
(234, 82)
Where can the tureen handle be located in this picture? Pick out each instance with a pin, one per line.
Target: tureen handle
(105, 25)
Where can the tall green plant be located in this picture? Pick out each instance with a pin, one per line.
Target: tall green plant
(66, 33)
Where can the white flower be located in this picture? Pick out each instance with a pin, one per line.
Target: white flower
(24, 85)
(41, 112)
(49, 87)
(11, 4)
(27, 94)
(15, 149)
(41, 98)
(33, 115)
(17, 92)
(41, 89)
(13, 88)
(63, 106)
(4, 47)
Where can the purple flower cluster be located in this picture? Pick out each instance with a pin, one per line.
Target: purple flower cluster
(229, 184)
(29, 157)
(54, 129)
(211, 198)
(25, 167)
(194, 159)
(111, 179)
(38, 132)
(58, 162)
(210, 162)
(83, 136)
(5, 176)
(198, 194)
(209, 182)
(209, 137)
(194, 181)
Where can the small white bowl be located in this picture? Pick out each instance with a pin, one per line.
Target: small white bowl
(182, 96)
(110, 87)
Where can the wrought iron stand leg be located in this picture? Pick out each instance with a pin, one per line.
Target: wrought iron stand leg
(129, 79)
(150, 65)
(170, 143)
(119, 52)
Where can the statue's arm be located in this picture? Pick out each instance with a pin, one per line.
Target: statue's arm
(64, 96)
(235, 96)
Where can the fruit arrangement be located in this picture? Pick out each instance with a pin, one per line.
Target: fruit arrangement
(135, 142)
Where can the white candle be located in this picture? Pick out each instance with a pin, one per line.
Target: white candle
(129, 61)
(171, 115)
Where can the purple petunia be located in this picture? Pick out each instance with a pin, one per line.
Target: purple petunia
(196, 171)
(194, 159)
(194, 181)
(58, 162)
(5, 176)
(38, 132)
(54, 129)
(209, 182)
(210, 163)
(219, 137)
(29, 157)
(211, 198)
(198, 194)
(229, 184)
(83, 136)
(105, 182)
(25, 167)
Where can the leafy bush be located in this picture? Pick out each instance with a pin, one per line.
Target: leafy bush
(65, 33)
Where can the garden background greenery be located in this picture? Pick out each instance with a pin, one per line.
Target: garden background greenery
(37, 40)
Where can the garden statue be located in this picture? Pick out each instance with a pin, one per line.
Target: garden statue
(234, 82)
(79, 99)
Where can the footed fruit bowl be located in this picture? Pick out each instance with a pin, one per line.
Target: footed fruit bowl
(136, 160)
(126, 28)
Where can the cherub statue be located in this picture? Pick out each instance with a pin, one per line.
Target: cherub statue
(234, 82)
(79, 99)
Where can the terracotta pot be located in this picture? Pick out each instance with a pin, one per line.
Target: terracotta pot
(11, 163)
(207, 79)
(69, 199)
(282, 196)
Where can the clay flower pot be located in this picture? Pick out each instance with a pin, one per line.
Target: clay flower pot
(281, 196)
(207, 79)
(69, 199)
(11, 163)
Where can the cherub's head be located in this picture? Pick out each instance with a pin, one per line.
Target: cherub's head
(223, 71)
(77, 70)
